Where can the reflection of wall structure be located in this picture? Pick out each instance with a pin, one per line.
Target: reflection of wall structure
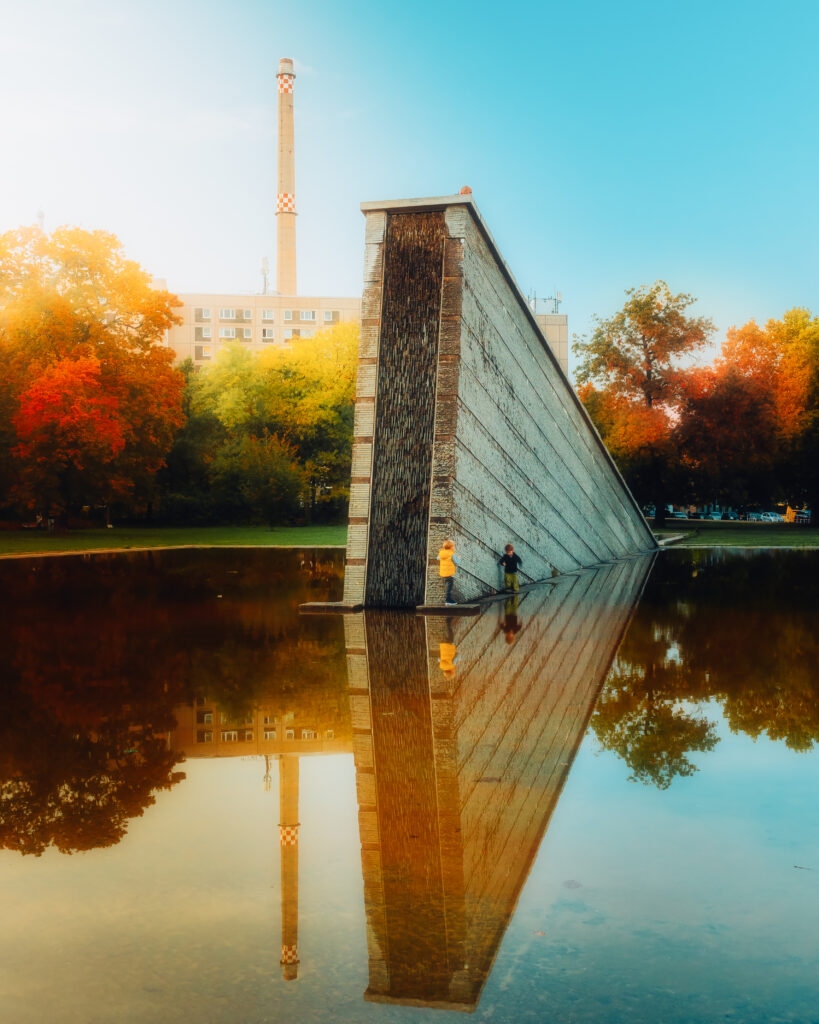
(465, 425)
(458, 773)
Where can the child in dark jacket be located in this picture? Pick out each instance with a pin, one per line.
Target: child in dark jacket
(510, 563)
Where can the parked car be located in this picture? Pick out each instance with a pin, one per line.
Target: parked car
(649, 511)
(730, 515)
(803, 517)
(712, 515)
(677, 515)
(772, 517)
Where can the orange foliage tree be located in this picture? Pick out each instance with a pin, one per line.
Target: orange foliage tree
(631, 381)
(89, 401)
(748, 426)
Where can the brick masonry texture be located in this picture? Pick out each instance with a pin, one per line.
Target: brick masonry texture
(405, 410)
(467, 427)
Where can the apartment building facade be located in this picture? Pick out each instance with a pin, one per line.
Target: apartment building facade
(211, 321)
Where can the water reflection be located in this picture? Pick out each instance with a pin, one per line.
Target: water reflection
(462, 743)
(101, 651)
(462, 733)
(716, 626)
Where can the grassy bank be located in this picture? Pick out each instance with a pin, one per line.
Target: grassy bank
(705, 533)
(33, 542)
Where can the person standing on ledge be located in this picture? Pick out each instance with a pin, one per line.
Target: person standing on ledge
(510, 563)
(447, 568)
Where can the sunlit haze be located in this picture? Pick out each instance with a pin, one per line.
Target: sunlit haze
(606, 145)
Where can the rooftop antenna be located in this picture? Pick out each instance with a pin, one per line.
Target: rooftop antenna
(555, 299)
(265, 276)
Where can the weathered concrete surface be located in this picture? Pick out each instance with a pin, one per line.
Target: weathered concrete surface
(505, 453)
(462, 743)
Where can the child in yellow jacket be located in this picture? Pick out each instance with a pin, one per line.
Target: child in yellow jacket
(447, 568)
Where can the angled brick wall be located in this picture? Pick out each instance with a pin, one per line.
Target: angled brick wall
(513, 455)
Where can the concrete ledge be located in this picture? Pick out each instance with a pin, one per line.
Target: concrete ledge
(329, 608)
(443, 609)
(665, 541)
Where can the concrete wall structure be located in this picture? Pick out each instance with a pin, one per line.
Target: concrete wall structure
(465, 425)
(462, 743)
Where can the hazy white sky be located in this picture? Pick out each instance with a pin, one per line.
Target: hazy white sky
(606, 145)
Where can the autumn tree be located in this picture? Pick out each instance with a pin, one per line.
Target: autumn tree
(630, 378)
(728, 435)
(749, 424)
(260, 424)
(89, 401)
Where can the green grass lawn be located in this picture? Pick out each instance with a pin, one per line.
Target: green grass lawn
(30, 542)
(700, 534)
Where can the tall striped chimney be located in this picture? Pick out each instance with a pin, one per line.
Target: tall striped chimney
(286, 196)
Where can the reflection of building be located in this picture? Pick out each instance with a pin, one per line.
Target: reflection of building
(312, 721)
(458, 772)
(308, 727)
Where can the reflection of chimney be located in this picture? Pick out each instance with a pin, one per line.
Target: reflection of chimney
(289, 840)
(286, 197)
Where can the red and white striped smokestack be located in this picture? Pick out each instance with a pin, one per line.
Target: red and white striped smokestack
(286, 196)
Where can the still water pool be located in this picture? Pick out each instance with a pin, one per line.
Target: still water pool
(596, 803)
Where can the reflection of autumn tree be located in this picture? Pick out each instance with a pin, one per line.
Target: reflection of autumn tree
(731, 629)
(640, 715)
(100, 651)
(73, 774)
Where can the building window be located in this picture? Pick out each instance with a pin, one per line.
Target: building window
(269, 719)
(201, 352)
(227, 314)
(308, 734)
(247, 333)
(331, 316)
(203, 736)
(248, 314)
(305, 334)
(268, 334)
(270, 734)
(200, 313)
(248, 735)
(330, 734)
(227, 332)
(288, 314)
(307, 314)
(269, 314)
(229, 735)
(289, 734)
(202, 332)
(292, 332)
(204, 717)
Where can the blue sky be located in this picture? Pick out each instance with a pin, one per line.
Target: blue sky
(607, 145)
